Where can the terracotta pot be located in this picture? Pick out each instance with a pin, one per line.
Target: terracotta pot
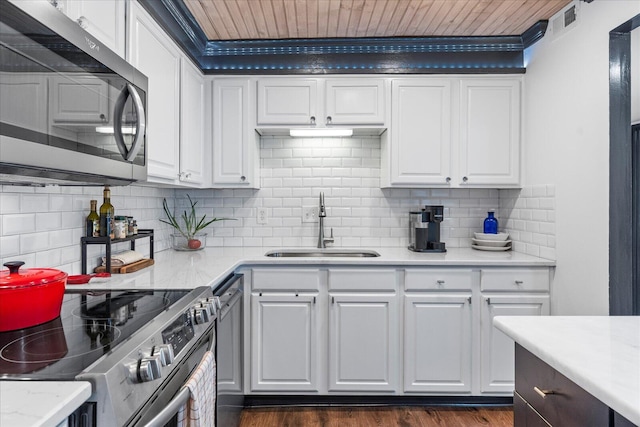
(30, 296)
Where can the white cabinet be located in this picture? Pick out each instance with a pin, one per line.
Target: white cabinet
(83, 100)
(417, 149)
(156, 56)
(363, 342)
(490, 131)
(235, 143)
(192, 124)
(507, 292)
(104, 19)
(321, 102)
(284, 343)
(438, 330)
(453, 132)
(23, 100)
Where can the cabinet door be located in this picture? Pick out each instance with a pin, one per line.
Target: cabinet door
(23, 100)
(354, 102)
(489, 132)
(105, 19)
(437, 343)
(155, 55)
(363, 342)
(235, 144)
(191, 124)
(497, 351)
(287, 101)
(420, 140)
(83, 100)
(284, 343)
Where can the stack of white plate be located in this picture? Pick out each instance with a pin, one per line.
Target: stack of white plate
(491, 242)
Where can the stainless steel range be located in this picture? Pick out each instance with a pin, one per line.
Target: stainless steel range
(137, 348)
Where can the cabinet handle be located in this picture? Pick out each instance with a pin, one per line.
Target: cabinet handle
(328, 120)
(448, 179)
(440, 282)
(297, 294)
(489, 301)
(243, 178)
(469, 300)
(314, 300)
(333, 300)
(543, 393)
(465, 179)
(313, 120)
(519, 282)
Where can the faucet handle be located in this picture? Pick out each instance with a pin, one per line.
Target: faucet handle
(330, 239)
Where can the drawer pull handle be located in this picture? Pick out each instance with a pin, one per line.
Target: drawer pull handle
(519, 282)
(440, 282)
(543, 393)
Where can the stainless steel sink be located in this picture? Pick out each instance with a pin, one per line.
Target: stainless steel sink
(322, 253)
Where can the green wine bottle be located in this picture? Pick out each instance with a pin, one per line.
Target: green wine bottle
(93, 221)
(107, 215)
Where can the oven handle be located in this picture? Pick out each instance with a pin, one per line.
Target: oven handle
(180, 399)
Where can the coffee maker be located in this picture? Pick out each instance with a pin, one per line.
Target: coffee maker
(424, 229)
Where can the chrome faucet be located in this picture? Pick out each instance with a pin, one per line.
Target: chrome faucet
(322, 214)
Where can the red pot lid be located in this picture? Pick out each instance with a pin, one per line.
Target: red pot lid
(16, 278)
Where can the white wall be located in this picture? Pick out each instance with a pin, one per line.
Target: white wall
(567, 143)
(635, 76)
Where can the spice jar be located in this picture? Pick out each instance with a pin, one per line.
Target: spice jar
(129, 226)
(120, 227)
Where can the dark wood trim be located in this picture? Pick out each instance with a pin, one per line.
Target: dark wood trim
(623, 232)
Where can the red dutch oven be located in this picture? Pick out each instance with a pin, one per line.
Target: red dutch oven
(30, 296)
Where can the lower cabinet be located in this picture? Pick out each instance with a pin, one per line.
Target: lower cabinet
(363, 342)
(412, 331)
(284, 343)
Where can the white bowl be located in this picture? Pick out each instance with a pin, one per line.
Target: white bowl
(492, 243)
(486, 236)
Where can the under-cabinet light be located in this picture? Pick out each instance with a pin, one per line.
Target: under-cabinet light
(126, 130)
(320, 132)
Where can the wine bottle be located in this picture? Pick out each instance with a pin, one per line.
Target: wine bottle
(93, 221)
(107, 215)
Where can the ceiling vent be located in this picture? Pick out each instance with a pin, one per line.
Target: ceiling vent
(565, 20)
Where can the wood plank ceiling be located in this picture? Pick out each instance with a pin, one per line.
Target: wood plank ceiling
(285, 19)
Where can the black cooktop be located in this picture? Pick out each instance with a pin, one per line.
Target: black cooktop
(91, 323)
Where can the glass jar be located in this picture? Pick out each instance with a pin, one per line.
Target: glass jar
(120, 227)
(130, 226)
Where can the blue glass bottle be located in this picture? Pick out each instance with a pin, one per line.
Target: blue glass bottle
(490, 224)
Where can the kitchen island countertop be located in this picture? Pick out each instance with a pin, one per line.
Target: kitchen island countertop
(601, 354)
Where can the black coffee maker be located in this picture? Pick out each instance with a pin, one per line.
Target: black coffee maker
(424, 229)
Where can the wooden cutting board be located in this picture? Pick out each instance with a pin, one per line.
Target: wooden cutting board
(129, 268)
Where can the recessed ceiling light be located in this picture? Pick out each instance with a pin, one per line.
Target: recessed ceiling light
(320, 132)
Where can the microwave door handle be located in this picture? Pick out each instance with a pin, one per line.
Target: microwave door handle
(117, 121)
(129, 154)
(141, 125)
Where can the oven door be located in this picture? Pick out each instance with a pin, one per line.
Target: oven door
(162, 409)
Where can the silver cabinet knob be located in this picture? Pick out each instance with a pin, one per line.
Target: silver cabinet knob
(448, 179)
(313, 120)
(328, 120)
(465, 179)
(243, 178)
(440, 282)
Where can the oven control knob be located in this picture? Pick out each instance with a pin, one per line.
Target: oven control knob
(209, 305)
(150, 368)
(201, 315)
(166, 351)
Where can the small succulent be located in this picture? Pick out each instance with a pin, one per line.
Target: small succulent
(192, 225)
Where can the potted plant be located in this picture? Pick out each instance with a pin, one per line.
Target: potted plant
(190, 229)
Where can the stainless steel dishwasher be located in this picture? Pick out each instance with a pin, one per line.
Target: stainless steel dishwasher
(229, 351)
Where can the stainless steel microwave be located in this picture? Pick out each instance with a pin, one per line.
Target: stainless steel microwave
(72, 112)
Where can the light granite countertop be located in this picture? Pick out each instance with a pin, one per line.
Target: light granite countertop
(209, 266)
(601, 354)
(187, 270)
(40, 403)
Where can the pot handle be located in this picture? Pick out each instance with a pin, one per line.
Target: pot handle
(13, 266)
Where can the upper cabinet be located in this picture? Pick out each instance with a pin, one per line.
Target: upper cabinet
(321, 102)
(235, 142)
(175, 104)
(453, 133)
(104, 19)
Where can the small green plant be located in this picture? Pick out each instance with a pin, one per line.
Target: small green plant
(192, 225)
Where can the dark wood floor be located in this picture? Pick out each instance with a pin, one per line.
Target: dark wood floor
(404, 416)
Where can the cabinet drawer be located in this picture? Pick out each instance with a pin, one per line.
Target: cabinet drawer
(515, 280)
(437, 279)
(291, 279)
(362, 279)
(568, 405)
